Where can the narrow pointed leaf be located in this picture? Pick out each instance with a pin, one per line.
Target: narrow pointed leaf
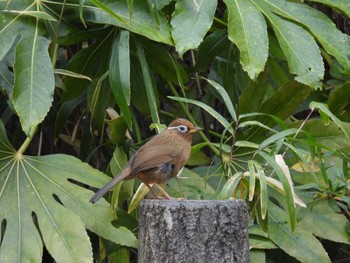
(207, 108)
(119, 74)
(287, 189)
(224, 96)
(190, 22)
(229, 187)
(263, 190)
(247, 29)
(152, 101)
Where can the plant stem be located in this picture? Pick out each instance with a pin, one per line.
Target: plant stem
(26, 143)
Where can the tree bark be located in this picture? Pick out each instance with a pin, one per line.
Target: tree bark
(175, 231)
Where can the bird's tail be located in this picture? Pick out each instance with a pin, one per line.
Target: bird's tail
(108, 186)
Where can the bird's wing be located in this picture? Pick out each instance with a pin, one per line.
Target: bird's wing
(152, 156)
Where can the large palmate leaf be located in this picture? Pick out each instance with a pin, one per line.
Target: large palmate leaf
(190, 22)
(33, 74)
(43, 200)
(13, 25)
(301, 244)
(322, 217)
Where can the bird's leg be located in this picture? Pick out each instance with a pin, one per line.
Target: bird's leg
(153, 192)
(162, 191)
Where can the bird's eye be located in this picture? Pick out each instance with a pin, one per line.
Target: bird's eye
(182, 128)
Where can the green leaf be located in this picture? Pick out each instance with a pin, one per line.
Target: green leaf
(34, 81)
(300, 244)
(119, 74)
(247, 29)
(329, 136)
(281, 104)
(140, 194)
(256, 255)
(287, 186)
(279, 135)
(302, 53)
(343, 5)
(70, 74)
(191, 18)
(7, 79)
(48, 197)
(37, 14)
(207, 108)
(152, 101)
(109, 10)
(263, 190)
(338, 99)
(211, 46)
(12, 26)
(163, 63)
(253, 95)
(231, 184)
(141, 21)
(321, 217)
(194, 186)
(325, 110)
(84, 62)
(224, 96)
(99, 97)
(333, 40)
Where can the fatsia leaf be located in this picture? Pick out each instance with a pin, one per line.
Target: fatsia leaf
(13, 25)
(43, 200)
(247, 29)
(37, 14)
(322, 217)
(34, 81)
(190, 22)
(301, 244)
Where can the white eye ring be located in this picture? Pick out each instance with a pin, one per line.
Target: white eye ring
(182, 128)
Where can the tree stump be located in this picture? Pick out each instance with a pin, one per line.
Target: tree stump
(175, 231)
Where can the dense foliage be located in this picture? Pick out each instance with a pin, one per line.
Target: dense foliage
(85, 83)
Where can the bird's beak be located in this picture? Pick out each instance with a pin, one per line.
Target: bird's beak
(195, 129)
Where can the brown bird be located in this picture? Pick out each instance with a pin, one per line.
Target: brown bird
(159, 160)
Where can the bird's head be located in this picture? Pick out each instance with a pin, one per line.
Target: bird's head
(183, 127)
